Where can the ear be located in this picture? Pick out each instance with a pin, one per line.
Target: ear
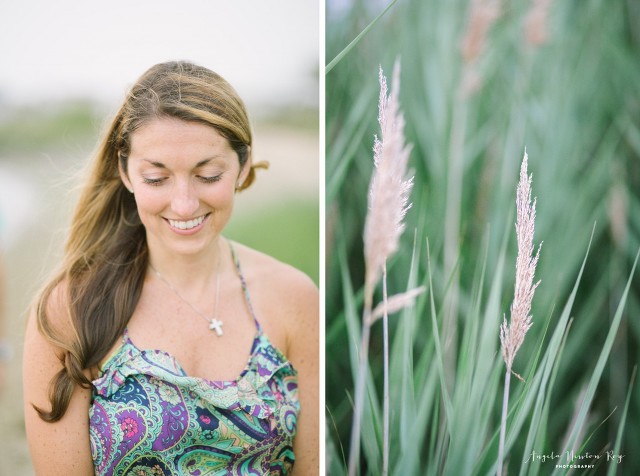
(244, 172)
(124, 176)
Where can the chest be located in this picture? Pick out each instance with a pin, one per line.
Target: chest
(164, 321)
(146, 414)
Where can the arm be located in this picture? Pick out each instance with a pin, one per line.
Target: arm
(303, 352)
(59, 448)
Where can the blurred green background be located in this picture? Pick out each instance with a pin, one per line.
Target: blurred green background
(559, 78)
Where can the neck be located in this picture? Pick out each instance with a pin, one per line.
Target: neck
(193, 272)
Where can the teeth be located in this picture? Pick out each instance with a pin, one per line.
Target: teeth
(186, 225)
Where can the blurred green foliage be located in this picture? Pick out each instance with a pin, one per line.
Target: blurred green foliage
(29, 129)
(288, 231)
(574, 103)
(300, 119)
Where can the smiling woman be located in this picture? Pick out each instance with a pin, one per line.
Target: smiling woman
(117, 357)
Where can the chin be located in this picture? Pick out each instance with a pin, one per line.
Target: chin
(191, 248)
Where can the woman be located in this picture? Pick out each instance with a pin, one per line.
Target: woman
(161, 347)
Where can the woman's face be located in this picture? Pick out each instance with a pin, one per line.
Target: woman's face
(183, 176)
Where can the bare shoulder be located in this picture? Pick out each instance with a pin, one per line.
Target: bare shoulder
(45, 341)
(267, 272)
(57, 322)
(279, 288)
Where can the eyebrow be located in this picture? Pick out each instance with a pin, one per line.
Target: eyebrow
(202, 163)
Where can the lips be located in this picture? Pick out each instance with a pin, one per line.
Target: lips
(187, 225)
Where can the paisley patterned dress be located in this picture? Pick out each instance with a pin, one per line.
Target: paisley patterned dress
(148, 417)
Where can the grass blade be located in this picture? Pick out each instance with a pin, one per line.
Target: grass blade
(356, 40)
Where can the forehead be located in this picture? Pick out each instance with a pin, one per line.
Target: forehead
(163, 139)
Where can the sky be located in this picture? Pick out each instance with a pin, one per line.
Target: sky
(54, 50)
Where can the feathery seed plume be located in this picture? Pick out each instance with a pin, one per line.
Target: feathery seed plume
(535, 22)
(512, 336)
(390, 187)
(388, 204)
(482, 15)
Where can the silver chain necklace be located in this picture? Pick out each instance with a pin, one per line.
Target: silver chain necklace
(214, 323)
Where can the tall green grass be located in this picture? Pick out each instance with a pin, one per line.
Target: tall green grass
(574, 102)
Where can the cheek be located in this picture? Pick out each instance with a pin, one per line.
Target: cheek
(150, 202)
(219, 195)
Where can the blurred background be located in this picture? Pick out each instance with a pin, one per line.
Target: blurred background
(66, 66)
(480, 81)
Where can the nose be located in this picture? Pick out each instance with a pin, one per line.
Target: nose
(184, 202)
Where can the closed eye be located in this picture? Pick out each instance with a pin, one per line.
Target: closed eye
(153, 181)
(210, 179)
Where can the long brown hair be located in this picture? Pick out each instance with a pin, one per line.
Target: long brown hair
(106, 254)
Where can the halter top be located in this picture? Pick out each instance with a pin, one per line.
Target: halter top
(148, 417)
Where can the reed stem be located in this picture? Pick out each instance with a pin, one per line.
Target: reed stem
(503, 425)
(354, 452)
(386, 397)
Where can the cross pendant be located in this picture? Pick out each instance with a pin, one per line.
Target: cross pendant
(216, 325)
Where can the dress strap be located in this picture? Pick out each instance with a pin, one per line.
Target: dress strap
(243, 282)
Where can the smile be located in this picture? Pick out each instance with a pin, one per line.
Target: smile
(187, 225)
